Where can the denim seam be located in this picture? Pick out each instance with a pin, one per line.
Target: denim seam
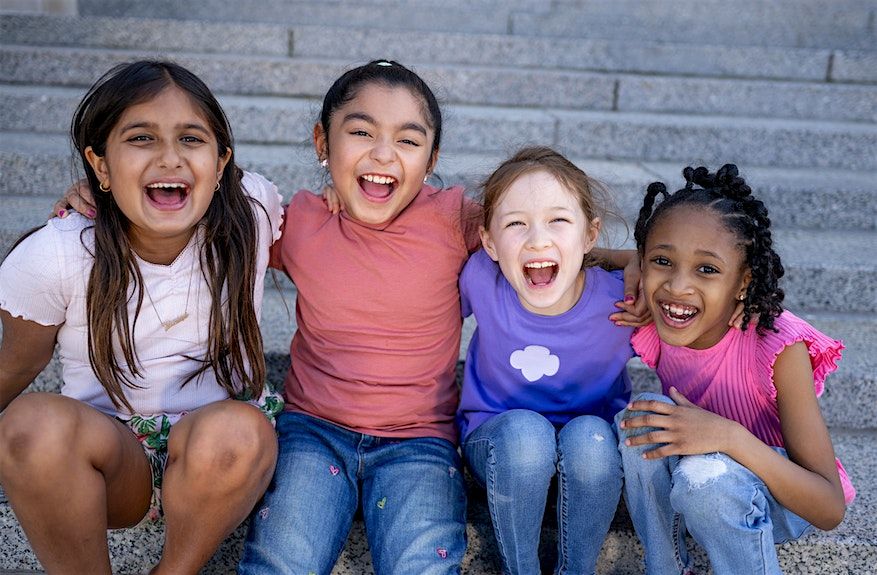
(491, 485)
(677, 527)
(563, 541)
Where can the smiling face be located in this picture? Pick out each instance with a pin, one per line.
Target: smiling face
(161, 165)
(379, 149)
(539, 235)
(693, 275)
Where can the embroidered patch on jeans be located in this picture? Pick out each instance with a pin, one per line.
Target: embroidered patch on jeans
(442, 552)
(382, 502)
(264, 512)
(333, 470)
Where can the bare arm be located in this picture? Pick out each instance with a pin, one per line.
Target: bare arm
(26, 349)
(806, 483)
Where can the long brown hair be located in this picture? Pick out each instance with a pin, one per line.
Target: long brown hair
(227, 255)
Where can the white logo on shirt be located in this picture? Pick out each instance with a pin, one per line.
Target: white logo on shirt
(535, 361)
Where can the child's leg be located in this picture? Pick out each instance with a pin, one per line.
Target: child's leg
(70, 472)
(414, 505)
(589, 479)
(220, 459)
(731, 514)
(514, 456)
(647, 485)
(302, 522)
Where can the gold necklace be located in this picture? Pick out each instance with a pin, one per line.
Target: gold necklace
(167, 325)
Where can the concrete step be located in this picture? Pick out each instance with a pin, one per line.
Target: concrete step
(797, 198)
(778, 63)
(476, 83)
(843, 24)
(850, 549)
(477, 17)
(287, 120)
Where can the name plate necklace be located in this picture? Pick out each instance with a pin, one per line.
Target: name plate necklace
(167, 325)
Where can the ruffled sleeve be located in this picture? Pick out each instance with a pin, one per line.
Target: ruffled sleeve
(32, 279)
(824, 351)
(647, 344)
(265, 192)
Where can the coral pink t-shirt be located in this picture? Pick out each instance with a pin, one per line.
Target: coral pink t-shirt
(734, 378)
(378, 313)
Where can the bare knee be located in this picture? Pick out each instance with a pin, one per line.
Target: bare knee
(35, 433)
(235, 443)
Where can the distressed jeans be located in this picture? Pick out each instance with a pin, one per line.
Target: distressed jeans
(411, 491)
(515, 454)
(726, 508)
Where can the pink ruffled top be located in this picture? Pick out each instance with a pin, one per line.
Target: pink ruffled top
(734, 378)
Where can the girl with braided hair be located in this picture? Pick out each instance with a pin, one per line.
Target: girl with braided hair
(736, 451)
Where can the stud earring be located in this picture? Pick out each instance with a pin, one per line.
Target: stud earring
(324, 162)
(102, 188)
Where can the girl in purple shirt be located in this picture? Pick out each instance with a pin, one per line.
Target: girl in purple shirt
(545, 370)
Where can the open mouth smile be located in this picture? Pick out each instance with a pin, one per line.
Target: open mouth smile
(677, 315)
(167, 196)
(377, 187)
(540, 273)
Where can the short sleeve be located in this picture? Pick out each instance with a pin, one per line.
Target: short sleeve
(263, 191)
(824, 351)
(647, 345)
(32, 278)
(472, 214)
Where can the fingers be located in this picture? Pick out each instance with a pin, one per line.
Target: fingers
(737, 317)
(60, 209)
(630, 315)
(680, 399)
(80, 198)
(632, 286)
(651, 406)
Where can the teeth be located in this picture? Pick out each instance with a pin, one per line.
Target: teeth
(539, 265)
(167, 185)
(678, 312)
(378, 179)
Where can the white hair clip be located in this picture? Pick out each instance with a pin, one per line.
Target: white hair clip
(383, 63)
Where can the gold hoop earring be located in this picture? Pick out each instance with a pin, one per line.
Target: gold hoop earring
(216, 189)
(102, 188)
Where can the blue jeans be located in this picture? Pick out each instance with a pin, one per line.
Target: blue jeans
(515, 454)
(726, 508)
(412, 494)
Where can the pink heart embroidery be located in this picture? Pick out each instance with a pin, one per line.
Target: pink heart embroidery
(442, 552)
(333, 470)
(263, 513)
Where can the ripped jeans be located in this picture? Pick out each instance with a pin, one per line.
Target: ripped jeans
(726, 508)
(515, 454)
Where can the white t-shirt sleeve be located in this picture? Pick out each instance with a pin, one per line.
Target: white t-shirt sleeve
(265, 192)
(33, 278)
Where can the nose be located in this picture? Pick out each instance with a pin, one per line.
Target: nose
(538, 238)
(678, 283)
(382, 152)
(170, 155)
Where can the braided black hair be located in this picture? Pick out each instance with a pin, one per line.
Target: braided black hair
(729, 196)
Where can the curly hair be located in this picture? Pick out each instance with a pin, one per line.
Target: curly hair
(730, 197)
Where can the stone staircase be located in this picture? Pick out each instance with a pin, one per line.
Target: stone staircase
(631, 90)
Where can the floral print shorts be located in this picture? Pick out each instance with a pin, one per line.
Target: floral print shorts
(152, 432)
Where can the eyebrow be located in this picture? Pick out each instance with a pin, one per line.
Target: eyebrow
(153, 125)
(670, 248)
(417, 127)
